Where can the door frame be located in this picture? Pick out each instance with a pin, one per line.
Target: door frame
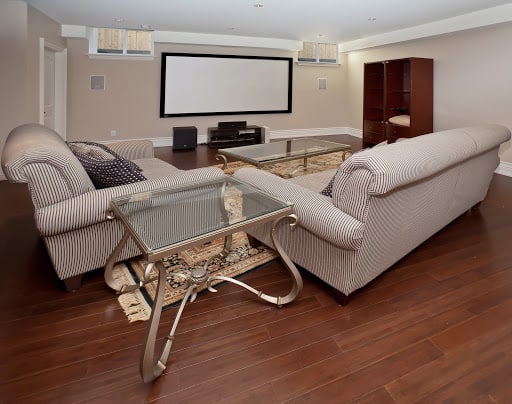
(60, 82)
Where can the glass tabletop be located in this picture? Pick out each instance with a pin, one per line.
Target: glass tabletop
(170, 217)
(266, 153)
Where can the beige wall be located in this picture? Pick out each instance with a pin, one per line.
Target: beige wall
(472, 83)
(21, 26)
(130, 102)
(472, 77)
(14, 95)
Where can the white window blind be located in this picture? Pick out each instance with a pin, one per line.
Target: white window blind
(318, 52)
(111, 41)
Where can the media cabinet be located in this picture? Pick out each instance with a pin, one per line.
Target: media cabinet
(231, 134)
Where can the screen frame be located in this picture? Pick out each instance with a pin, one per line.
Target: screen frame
(163, 88)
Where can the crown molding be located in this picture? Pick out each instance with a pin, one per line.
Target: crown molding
(477, 19)
(490, 16)
(191, 38)
(226, 40)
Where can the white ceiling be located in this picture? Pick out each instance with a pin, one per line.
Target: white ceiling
(335, 21)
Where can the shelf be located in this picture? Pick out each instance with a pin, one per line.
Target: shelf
(233, 136)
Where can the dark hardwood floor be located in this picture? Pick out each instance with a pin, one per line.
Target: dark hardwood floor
(436, 327)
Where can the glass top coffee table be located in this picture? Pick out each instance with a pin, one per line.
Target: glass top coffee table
(261, 155)
(173, 219)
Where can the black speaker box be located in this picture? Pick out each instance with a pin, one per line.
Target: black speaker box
(184, 137)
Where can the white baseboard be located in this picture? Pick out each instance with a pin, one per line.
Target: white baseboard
(504, 168)
(289, 133)
(271, 134)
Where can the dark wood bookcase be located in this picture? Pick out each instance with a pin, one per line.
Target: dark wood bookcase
(397, 87)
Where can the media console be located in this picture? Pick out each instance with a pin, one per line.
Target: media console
(231, 134)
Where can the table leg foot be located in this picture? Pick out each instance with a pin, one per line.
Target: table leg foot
(290, 266)
(150, 369)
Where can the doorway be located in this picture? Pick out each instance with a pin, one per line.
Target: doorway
(52, 86)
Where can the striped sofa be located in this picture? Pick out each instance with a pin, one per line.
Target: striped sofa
(385, 202)
(70, 213)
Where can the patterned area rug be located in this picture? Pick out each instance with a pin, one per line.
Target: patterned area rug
(242, 258)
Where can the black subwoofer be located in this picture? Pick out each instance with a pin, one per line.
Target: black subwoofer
(184, 137)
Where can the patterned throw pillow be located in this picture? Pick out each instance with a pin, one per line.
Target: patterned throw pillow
(105, 167)
(327, 191)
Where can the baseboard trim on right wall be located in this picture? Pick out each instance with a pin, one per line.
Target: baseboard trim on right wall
(504, 169)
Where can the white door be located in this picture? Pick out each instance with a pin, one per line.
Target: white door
(49, 88)
(52, 86)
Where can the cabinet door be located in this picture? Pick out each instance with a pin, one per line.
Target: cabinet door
(373, 104)
(394, 132)
(373, 132)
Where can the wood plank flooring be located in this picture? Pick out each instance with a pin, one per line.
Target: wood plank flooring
(436, 327)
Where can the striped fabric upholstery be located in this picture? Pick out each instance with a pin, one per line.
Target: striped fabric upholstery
(38, 156)
(134, 149)
(316, 212)
(78, 230)
(399, 195)
(90, 208)
(70, 213)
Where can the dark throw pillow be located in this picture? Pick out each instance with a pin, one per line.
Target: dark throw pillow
(105, 167)
(327, 191)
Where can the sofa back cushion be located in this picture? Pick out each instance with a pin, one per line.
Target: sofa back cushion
(379, 170)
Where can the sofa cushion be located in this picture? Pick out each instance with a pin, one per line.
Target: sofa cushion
(104, 166)
(156, 168)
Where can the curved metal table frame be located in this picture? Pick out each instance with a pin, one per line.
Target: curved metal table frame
(151, 368)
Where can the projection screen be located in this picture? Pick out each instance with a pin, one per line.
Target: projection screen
(204, 84)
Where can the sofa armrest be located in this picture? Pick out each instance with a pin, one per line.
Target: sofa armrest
(92, 207)
(315, 211)
(134, 149)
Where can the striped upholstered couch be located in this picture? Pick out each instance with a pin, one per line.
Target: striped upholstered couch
(385, 202)
(70, 212)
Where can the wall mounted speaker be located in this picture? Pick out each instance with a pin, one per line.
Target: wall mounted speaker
(184, 137)
(97, 82)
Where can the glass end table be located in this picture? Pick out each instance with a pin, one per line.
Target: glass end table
(166, 221)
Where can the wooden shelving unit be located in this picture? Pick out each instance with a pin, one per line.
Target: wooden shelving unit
(399, 87)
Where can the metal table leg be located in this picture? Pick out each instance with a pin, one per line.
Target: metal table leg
(290, 266)
(150, 368)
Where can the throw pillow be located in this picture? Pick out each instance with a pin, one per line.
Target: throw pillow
(327, 191)
(105, 167)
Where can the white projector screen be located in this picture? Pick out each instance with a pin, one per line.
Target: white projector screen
(203, 84)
